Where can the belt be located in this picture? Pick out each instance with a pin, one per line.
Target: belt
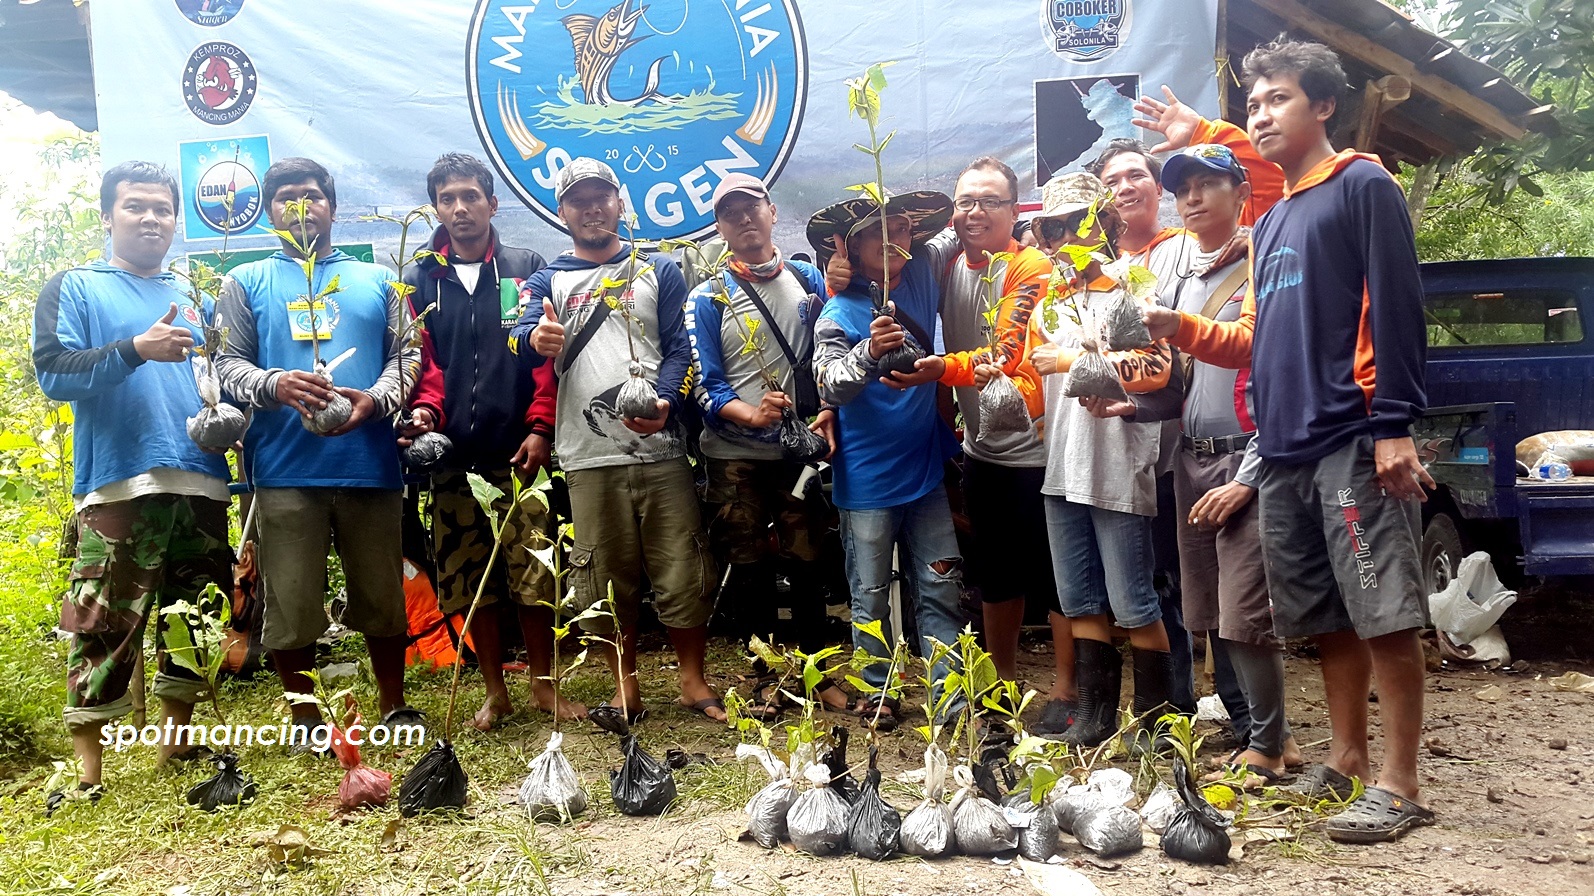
(1219, 445)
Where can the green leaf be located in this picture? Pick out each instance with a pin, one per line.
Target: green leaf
(862, 686)
(877, 75)
(484, 492)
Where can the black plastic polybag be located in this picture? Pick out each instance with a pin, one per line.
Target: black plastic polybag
(798, 442)
(841, 780)
(643, 785)
(610, 719)
(817, 821)
(426, 451)
(1002, 408)
(217, 427)
(638, 398)
(1124, 327)
(1198, 832)
(436, 783)
(227, 787)
(873, 824)
(1092, 376)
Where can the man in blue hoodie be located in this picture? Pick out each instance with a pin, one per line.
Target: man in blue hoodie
(151, 506)
(340, 489)
(1333, 330)
(632, 494)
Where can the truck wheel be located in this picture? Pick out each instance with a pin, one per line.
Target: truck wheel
(1441, 552)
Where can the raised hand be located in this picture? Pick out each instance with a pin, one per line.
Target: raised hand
(548, 337)
(838, 271)
(1175, 121)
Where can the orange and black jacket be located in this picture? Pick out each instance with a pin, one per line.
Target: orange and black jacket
(1332, 326)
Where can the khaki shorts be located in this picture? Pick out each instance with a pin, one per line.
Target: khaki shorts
(1221, 574)
(639, 521)
(463, 540)
(297, 526)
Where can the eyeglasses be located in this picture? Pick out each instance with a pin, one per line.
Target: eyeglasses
(986, 203)
(1054, 231)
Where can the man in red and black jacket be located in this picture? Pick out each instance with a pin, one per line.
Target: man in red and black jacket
(496, 410)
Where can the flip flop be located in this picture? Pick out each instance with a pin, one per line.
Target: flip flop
(1319, 782)
(702, 707)
(1377, 816)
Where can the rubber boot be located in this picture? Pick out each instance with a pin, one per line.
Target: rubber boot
(1098, 671)
(1153, 687)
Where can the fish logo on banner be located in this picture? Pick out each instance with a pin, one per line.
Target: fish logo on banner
(219, 83)
(674, 95)
(210, 13)
(1085, 30)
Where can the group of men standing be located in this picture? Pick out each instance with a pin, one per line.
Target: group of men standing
(1276, 398)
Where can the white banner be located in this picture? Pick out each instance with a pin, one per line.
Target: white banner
(673, 93)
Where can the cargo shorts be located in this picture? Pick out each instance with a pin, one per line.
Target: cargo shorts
(636, 522)
(462, 537)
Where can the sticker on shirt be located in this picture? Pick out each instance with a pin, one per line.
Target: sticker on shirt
(322, 320)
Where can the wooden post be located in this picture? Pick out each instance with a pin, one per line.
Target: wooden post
(1378, 97)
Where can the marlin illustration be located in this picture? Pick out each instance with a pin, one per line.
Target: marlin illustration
(599, 43)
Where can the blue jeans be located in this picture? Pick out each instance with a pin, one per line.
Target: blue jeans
(1102, 560)
(923, 532)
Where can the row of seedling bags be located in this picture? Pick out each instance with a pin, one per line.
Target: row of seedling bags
(823, 812)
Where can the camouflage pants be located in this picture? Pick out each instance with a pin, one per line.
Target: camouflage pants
(462, 537)
(134, 557)
(746, 496)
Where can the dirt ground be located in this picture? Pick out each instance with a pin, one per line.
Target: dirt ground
(1508, 777)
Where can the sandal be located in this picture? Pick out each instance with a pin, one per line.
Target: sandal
(1377, 816)
(887, 707)
(1255, 777)
(1319, 782)
(766, 703)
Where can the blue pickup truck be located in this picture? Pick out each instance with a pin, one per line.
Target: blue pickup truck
(1509, 356)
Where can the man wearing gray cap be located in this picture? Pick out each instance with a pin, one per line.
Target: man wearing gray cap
(754, 296)
(606, 312)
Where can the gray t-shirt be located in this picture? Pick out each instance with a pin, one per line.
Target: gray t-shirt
(1108, 463)
(794, 308)
(1215, 397)
(587, 428)
(962, 304)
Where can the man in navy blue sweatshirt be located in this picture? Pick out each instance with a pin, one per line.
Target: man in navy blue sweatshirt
(1333, 331)
(151, 506)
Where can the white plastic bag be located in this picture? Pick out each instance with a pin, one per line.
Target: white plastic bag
(1472, 602)
(927, 830)
(1160, 807)
(817, 821)
(978, 825)
(1109, 830)
(552, 792)
(766, 811)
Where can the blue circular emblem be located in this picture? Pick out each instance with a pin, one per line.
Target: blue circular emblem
(1085, 30)
(228, 197)
(209, 13)
(219, 83)
(674, 95)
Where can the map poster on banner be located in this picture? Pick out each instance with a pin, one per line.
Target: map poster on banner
(673, 94)
(221, 187)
